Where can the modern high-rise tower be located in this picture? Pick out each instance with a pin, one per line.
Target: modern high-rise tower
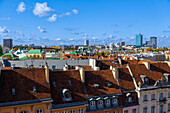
(7, 43)
(153, 42)
(86, 42)
(139, 40)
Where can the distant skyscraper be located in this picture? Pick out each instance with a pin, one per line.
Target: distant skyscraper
(122, 43)
(7, 43)
(153, 42)
(139, 40)
(86, 42)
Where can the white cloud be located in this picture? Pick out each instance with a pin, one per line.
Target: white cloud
(21, 7)
(94, 38)
(4, 30)
(75, 11)
(58, 39)
(53, 18)
(5, 18)
(71, 39)
(42, 30)
(41, 9)
(65, 14)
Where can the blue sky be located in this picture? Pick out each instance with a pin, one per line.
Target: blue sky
(57, 22)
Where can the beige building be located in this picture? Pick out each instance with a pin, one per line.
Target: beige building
(152, 82)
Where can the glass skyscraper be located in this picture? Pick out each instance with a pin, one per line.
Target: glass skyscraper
(153, 42)
(139, 40)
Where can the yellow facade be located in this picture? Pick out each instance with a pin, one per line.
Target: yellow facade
(68, 109)
(30, 108)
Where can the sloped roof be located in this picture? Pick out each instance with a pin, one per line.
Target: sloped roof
(101, 77)
(23, 80)
(140, 69)
(11, 54)
(35, 51)
(61, 79)
(125, 80)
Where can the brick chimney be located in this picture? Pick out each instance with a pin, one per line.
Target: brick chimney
(147, 64)
(115, 72)
(47, 72)
(82, 75)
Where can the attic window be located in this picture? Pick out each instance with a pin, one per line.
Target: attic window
(69, 82)
(34, 89)
(96, 85)
(54, 84)
(108, 84)
(13, 91)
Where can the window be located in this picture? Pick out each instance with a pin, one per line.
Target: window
(73, 111)
(64, 111)
(39, 111)
(169, 107)
(133, 110)
(161, 96)
(114, 101)
(161, 108)
(145, 110)
(56, 112)
(100, 102)
(126, 111)
(169, 94)
(23, 112)
(153, 97)
(115, 112)
(107, 101)
(92, 103)
(145, 98)
(81, 110)
(153, 109)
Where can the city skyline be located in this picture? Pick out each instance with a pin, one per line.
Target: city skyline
(64, 22)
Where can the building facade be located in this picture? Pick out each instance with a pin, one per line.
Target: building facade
(7, 43)
(139, 40)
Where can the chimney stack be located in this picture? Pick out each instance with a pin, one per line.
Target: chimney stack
(115, 72)
(82, 75)
(47, 72)
(147, 64)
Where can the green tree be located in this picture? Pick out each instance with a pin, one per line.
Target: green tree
(1, 51)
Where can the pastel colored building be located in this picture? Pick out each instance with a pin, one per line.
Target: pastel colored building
(35, 54)
(24, 91)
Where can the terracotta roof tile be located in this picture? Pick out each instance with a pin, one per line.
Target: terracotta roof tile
(23, 80)
(125, 79)
(101, 77)
(61, 79)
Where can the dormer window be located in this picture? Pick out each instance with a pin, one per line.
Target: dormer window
(66, 95)
(13, 91)
(107, 101)
(129, 97)
(100, 102)
(54, 84)
(34, 89)
(92, 103)
(114, 100)
(144, 79)
(108, 84)
(96, 85)
(69, 82)
(167, 76)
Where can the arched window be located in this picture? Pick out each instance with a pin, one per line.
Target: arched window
(23, 112)
(39, 111)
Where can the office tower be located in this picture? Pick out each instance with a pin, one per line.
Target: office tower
(147, 43)
(86, 42)
(7, 43)
(122, 43)
(153, 42)
(111, 46)
(139, 40)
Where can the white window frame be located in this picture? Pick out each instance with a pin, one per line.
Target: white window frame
(92, 103)
(114, 100)
(38, 111)
(81, 110)
(73, 111)
(100, 102)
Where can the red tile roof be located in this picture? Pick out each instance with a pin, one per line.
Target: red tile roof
(100, 77)
(23, 80)
(125, 80)
(61, 79)
(140, 69)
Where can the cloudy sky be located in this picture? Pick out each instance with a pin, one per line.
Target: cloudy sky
(58, 22)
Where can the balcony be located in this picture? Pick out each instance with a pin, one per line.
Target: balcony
(163, 100)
